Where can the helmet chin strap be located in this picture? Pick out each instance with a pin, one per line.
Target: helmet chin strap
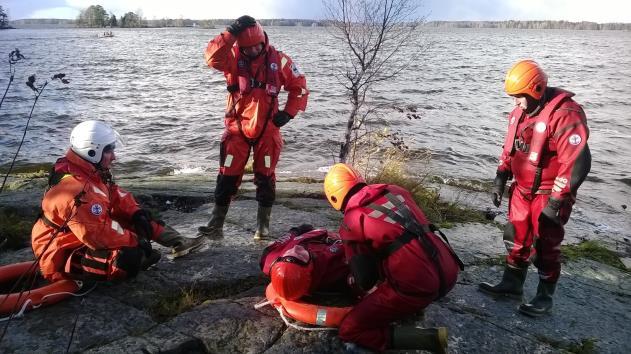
(536, 105)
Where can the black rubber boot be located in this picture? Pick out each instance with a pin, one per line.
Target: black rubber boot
(542, 302)
(214, 229)
(431, 339)
(511, 286)
(263, 216)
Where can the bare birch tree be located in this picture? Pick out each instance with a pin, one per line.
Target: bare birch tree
(374, 33)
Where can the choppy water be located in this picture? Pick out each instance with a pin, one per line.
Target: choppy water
(153, 86)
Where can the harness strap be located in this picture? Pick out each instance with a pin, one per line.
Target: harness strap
(48, 222)
(414, 230)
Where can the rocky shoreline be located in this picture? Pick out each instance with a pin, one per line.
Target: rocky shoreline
(203, 303)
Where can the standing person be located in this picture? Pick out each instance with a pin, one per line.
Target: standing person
(255, 72)
(546, 151)
(396, 259)
(89, 227)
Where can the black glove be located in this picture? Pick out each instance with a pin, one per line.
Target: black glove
(145, 246)
(550, 214)
(364, 270)
(281, 118)
(299, 230)
(142, 224)
(240, 24)
(499, 183)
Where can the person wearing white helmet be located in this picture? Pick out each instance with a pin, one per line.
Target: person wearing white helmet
(90, 228)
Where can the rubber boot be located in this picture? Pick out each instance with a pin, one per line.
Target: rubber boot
(511, 286)
(431, 339)
(214, 229)
(180, 245)
(542, 302)
(262, 222)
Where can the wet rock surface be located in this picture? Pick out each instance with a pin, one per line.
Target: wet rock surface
(217, 287)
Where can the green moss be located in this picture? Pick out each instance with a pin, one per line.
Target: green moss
(586, 346)
(594, 251)
(491, 261)
(15, 229)
(28, 169)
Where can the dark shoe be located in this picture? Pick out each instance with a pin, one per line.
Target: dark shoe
(542, 302)
(511, 286)
(432, 339)
(263, 216)
(214, 229)
(180, 245)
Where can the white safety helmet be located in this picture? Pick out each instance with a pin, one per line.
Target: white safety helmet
(89, 138)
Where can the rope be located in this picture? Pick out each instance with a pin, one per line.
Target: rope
(289, 324)
(33, 307)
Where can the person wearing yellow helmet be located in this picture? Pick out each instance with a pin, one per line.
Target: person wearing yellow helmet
(398, 262)
(255, 72)
(546, 152)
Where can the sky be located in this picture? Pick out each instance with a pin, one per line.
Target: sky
(452, 10)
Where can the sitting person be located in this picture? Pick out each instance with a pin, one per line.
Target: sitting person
(305, 261)
(396, 259)
(89, 227)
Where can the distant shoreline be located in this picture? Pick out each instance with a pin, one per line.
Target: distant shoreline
(219, 23)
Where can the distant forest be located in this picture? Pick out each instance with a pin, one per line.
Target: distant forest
(219, 23)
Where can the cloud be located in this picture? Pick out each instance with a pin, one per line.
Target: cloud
(55, 12)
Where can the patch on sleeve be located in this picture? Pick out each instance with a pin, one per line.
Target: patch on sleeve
(575, 139)
(295, 70)
(96, 209)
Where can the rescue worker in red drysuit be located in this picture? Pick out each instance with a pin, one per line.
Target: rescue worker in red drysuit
(304, 261)
(395, 257)
(546, 152)
(255, 72)
(90, 228)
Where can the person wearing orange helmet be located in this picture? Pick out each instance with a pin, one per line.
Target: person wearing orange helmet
(546, 152)
(255, 72)
(90, 228)
(305, 260)
(396, 258)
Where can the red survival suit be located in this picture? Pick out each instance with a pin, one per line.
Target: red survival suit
(549, 158)
(376, 220)
(90, 219)
(329, 269)
(253, 88)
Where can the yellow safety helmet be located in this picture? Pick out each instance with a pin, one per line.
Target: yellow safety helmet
(340, 179)
(526, 78)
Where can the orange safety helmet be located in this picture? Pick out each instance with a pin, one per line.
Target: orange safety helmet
(291, 280)
(251, 36)
(338, 182)
(526, 78)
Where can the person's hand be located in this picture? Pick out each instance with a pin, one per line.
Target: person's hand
(142, 224)
(499, 184)
(145, 246)
(550, 214)
(243, 22)
(299, 230)
(281, 118)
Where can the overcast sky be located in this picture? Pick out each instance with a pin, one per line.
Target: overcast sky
(474, 10)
